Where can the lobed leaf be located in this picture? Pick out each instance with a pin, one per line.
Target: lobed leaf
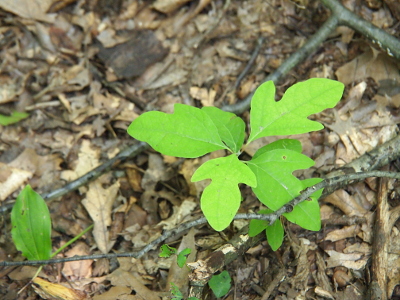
(220, 200)
(307, 213)
(31, 225)
(167, 251)
(189, 132)
(276, 184)
(290, 114)
(230, 127)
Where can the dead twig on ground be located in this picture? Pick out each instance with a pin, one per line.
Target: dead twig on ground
(335, 181)
(379, 268)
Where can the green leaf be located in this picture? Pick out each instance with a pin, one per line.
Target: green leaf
(166, 251)
(307, 213)
(177, 294)
(220, 284)
(290, 144)
(230, 127)
(257, 226)
(275, 234)
(221, 199)
(14, 118)
(31, 225)
(290, 114)
(182, 257)
(189, 132)
(275, 183)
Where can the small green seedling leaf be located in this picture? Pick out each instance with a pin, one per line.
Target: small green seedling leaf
(307, 213)
(189, 132)
(230, 127)
(15, 117)
(31, 225)
(276, 183)
(220, 284)
(290, 114)
(182, 257)
(167, 251)
(220, 200)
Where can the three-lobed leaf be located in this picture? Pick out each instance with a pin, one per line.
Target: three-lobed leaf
(189, 132)
(220, 200)
(31, 225)
(290, 115)
(192, 132)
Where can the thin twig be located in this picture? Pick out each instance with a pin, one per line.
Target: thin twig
(308, 48)
(250, 63)
(90, 176)
(384, 40)
(335, 181)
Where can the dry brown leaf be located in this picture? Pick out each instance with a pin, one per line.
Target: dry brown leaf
(343, 233)
(118, 292)
(354, 261)
(81, 268)
(98, 203)
(48, 290)
(29, 9)
(179, 213)
(206, 96)
(168, 6)
(372, 63)
(11, 180)
(346, 203)
(123, 278)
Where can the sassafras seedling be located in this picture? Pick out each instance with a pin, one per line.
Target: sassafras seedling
(192, 132)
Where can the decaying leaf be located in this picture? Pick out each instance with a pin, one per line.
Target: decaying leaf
(51, 291)
(98, 203)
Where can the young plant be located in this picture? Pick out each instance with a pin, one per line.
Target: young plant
(31, 227)
(168, 251)
(192, 132)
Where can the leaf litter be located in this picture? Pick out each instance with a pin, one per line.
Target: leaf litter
(59, 65)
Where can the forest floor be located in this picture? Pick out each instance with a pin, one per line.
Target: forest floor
(82, 71)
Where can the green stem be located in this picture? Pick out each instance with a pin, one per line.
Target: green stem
(71, 241)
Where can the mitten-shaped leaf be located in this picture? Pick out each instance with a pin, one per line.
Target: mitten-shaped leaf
(290, 114)
(188, 132)
(276, 184)
(221, 199)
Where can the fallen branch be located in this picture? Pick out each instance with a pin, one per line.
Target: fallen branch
(331, 182)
